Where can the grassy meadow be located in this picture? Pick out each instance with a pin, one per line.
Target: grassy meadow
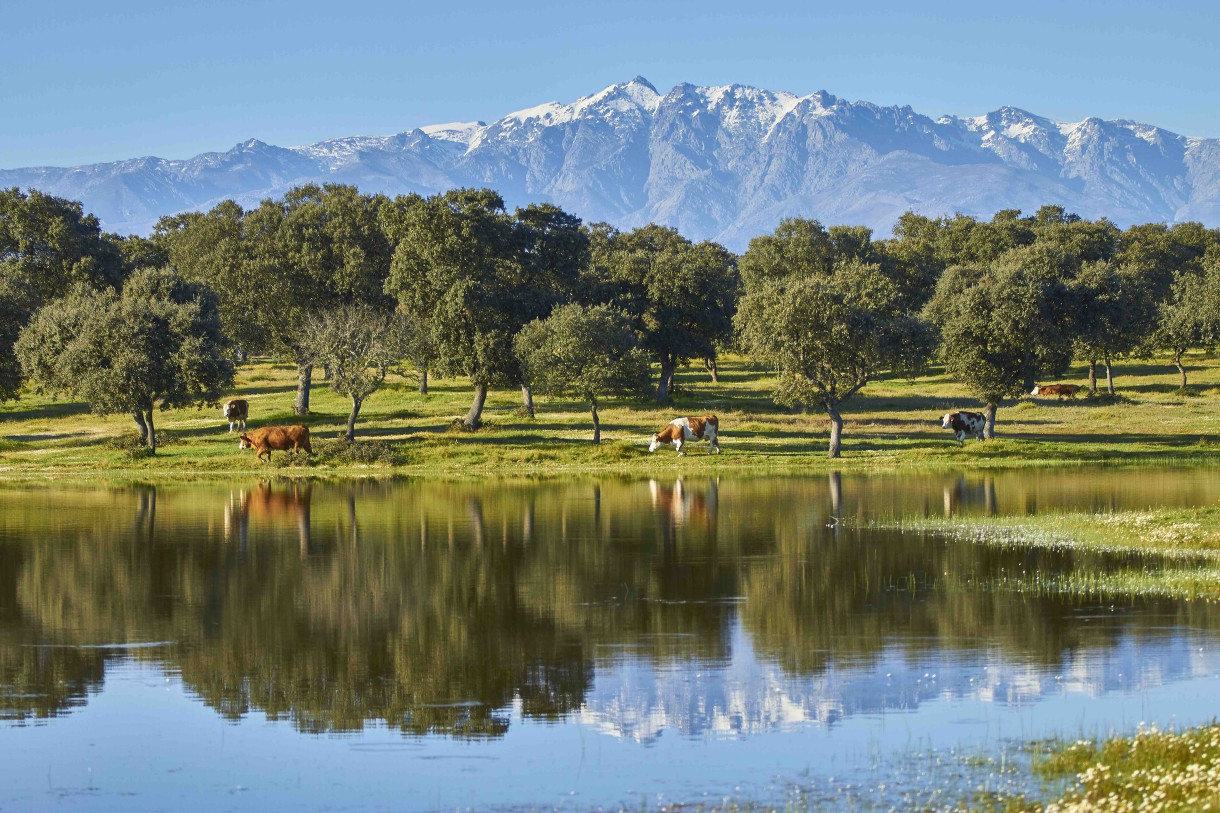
(892, 424)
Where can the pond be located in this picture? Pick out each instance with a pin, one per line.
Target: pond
(571, 644)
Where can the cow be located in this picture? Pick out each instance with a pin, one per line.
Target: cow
(681, 430)
(1061, 390)
(237, 411)
(964, 424)
(276, 438)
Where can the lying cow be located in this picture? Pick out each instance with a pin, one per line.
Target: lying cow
(1061, 390)
(237, 411)
(681, 430)
(276, 438)
(965, 424)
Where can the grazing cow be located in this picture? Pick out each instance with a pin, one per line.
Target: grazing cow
(1061, 390)
(276, 438)
(964, 424)
(681, 430)
(237, 411)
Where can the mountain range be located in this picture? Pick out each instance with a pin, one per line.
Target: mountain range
(724, 163)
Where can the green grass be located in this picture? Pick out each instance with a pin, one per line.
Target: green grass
(892, 424)
(1156, 552)
(1156, 771)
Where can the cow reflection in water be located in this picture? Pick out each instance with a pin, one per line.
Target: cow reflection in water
(683, 504)
(274, 507)
(969, 495)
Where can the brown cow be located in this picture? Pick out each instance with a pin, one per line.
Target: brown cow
(681, 430)
(237, 411)
(276, 438)
(1061, 390)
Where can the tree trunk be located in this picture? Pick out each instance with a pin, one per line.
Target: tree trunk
(1177, 362)
(989, 425)
(152, 431)
(597, 425)
(423, 382)
(1109, 377)
(304, 375)
(709, 364)
(351, 418)
(667, 377)
(138, 415)
(836, 432)
(326, 372)
(1093, 377)
(474, 418)
(527, 400)
(1029, 382)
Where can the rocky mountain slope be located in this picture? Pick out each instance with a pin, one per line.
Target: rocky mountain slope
(725, 163)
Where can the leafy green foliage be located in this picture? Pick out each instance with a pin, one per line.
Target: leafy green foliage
(681, 295)
(1190, 316)
(456, 270)
(826, 332)
(210, 248)
(16, 304)
(587, 352)
(1004, 323)
(47, 244)
(157, 344)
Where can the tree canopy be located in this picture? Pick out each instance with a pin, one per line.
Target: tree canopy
(587, 352)
(825, 333)
(681, 295)
(157, 344)
(457, 270)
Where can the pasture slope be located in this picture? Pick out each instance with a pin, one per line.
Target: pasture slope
(892, 424)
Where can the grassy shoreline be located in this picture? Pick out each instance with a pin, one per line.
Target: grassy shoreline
(892, 425)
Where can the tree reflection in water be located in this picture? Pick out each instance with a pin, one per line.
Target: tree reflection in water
(439, 607)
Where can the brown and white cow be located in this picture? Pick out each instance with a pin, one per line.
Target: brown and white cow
(1061, 390)
(276, 438)
(964, 424)
(681, 430)
(237, 411)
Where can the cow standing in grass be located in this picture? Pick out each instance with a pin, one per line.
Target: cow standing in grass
(276, 438)
(237, 411)
(964, 424)
(1062, 390)
(681, 430)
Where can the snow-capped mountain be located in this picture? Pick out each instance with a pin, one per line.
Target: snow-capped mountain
(725, 163)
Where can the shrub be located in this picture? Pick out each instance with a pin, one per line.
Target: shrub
(132, 447)
(361, 452)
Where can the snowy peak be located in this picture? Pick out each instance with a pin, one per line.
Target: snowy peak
(725, 162)
(635, 96)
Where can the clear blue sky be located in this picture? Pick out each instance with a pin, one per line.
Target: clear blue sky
(95, 81)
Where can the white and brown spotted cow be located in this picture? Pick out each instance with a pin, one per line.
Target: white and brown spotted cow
(237, 411)
(681, 430)
(1062, 390)
(965, 424)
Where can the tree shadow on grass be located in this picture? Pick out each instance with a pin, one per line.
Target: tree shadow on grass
(262, 389)
(54, 410)
(71, 438)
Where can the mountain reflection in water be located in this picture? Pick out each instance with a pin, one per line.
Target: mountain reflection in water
(695, 605)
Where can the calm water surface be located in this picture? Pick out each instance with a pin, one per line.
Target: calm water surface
(413, 646)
